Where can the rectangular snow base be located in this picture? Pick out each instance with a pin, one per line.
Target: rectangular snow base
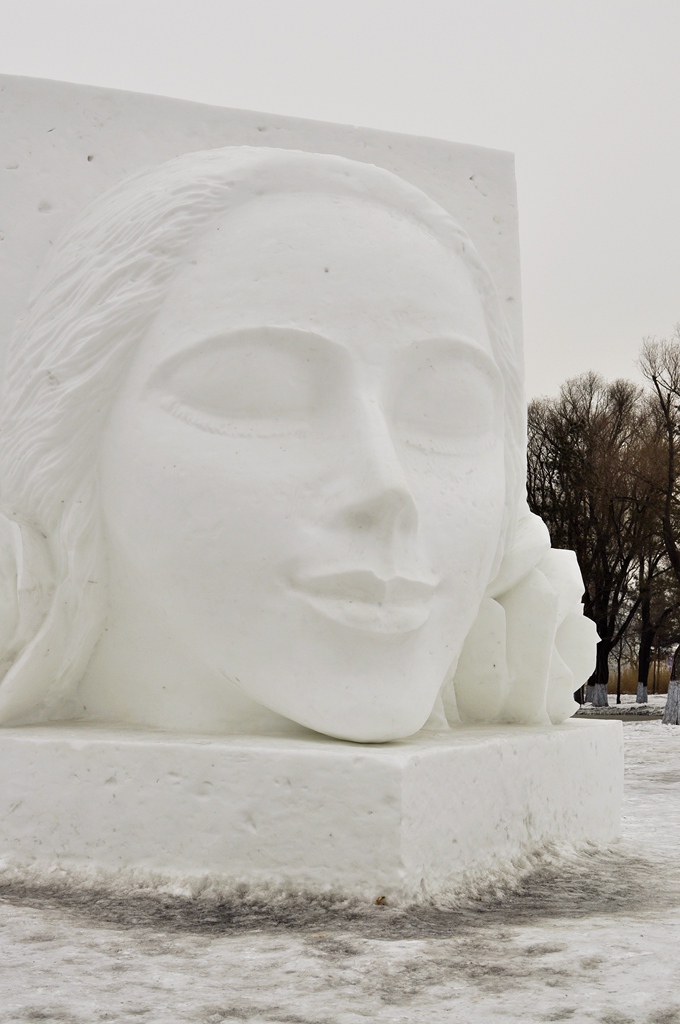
(407, 819)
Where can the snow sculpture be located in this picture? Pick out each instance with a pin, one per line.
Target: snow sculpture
(262, 459)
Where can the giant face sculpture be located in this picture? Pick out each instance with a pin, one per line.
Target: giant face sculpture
(286, 419)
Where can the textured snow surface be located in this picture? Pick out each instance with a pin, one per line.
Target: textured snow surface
(588, 936)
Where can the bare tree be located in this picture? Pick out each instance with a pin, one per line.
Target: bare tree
(660, 365)
(658, 603)
(604, 474)
(584, 481)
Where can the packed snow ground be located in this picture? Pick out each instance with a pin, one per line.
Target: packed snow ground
(593, 936)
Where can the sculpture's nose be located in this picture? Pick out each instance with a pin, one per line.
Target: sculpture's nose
(386, 506)
(377, 500)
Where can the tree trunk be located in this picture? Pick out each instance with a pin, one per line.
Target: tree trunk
(645, 657)
(671, 715)
(675, 667)
(596, 689)
(618, 673)
(646, 642)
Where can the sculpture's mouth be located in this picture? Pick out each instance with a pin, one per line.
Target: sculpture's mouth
(362, 600)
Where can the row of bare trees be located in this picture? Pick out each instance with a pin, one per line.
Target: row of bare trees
(604, 474)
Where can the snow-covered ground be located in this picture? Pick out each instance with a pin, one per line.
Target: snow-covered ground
(655, 705)
(587, 937)
(657, 700)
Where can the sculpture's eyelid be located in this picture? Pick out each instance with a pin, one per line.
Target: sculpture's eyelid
(162, 376)
(459, 346)
(488, 372)
(188, 414)
(213, 424)
(452, 445)
(440, 351)
(286, 339)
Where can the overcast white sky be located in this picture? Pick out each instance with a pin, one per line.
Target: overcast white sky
(586, 93)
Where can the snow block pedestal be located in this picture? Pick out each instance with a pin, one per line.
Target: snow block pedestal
(409, 819)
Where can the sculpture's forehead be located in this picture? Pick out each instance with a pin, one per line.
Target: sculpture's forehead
(362, 274)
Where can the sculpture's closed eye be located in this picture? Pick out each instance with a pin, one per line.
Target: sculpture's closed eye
(257, 382)
(451, 403)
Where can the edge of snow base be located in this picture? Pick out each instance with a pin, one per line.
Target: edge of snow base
(415, 817)
(144, 898)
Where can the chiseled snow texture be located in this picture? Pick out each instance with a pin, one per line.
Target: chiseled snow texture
(589, 936)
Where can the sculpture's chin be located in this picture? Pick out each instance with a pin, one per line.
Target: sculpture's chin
(377, 719)
(362, 686)
(371, 734)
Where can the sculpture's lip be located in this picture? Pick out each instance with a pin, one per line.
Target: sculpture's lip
(360, 599)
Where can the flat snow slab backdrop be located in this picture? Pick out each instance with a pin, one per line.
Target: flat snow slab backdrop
(61, 145)
(405, 819)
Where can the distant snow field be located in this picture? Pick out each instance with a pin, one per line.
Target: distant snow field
(593, 936)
